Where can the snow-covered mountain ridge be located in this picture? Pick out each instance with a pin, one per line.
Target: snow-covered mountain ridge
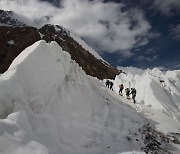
(8, 18)
(20, 37)
(51, 106)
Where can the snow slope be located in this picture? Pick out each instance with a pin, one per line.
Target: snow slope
(159, 90)
(48, 105)
(86, 47)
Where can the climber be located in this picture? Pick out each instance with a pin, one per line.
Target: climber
(107, 83)
(121, 87)
(133, 92)
(127, 90)
(111, 85)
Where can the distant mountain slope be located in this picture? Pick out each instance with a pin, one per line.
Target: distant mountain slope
(15, 38)
(7, 18)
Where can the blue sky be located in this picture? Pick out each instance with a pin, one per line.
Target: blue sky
(161, 51)
(140, 33)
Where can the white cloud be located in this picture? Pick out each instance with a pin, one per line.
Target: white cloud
(165, 6)
(104, 25)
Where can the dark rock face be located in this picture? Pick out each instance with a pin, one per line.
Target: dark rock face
(14, 39)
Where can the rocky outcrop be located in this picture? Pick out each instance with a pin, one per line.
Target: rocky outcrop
(157, 142)
(14, 39)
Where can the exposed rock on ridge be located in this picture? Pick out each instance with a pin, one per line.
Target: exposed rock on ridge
(91, 65)
(6, 18)
(14, 39)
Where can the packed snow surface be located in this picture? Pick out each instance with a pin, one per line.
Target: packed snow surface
(49, 106)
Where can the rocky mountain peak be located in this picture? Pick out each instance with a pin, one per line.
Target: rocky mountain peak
(7, 18)
(14, 39)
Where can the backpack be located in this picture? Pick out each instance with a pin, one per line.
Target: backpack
(133, 91)
(121, 86)
(127, 90)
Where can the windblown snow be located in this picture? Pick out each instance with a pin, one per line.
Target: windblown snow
(49, 106)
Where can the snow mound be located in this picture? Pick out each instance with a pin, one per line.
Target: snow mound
(16, 134)
(51, 106)
(159, 90)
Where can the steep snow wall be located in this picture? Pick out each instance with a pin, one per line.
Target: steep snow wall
(156, 89)
(51, 106)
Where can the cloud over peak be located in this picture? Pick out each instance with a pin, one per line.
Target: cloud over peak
(106, 26)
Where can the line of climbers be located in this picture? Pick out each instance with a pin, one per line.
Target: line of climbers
(128, 91)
